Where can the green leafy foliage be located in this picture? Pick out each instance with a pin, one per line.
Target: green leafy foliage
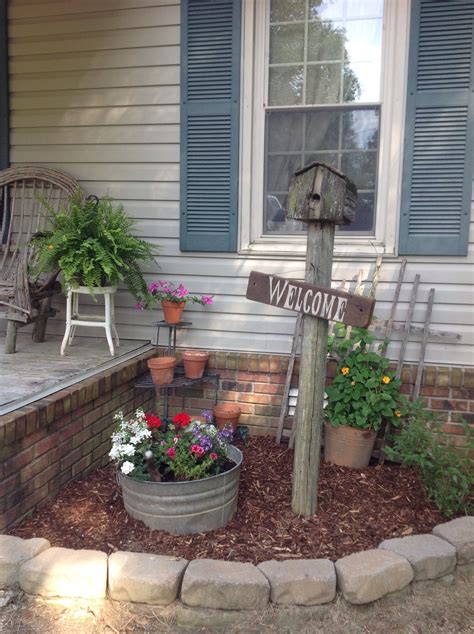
(92, 243)
(364, 392)
(446, 473)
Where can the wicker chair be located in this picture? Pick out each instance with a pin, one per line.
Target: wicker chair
(24, 298)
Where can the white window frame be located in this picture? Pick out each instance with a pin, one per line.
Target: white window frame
(255, 53)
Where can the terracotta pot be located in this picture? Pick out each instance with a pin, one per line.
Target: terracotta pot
(194, 363)
(227, 413)
(162, 369)
(347, 446)
(172, 311)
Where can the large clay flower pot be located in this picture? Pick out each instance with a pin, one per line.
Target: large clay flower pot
(162, 369)
(193, 506)
(347, 446)
(227, 413)
(194, 363)
(172, 311)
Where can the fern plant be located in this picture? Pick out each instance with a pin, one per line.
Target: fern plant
(92, 243)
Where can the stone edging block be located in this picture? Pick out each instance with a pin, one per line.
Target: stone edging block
(430, 556)
(14, 551)
(144, 578)
(371, 574)
(300, 581)
(206, 583)
(459, 533)
(64, 572)
(227, 585)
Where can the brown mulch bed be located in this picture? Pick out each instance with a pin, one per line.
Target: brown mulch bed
(357, 510)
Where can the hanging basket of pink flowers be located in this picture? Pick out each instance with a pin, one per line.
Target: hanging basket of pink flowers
(173, 299)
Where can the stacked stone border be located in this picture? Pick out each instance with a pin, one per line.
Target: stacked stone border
(45, 445)
(360, 578)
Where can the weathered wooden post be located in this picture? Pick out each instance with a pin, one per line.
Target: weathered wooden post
(322, 197)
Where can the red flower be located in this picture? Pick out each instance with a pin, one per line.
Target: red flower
(182, 419)
(171, 452)
(213, 455)
(152, 421)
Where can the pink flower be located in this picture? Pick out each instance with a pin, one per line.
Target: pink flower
(213, 456)
(176, 439)
(182, 292)
(207, 299)
(171, 452)
(196, 449)
(153, 287)
(138, 306)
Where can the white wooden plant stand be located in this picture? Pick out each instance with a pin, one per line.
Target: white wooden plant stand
(73, 318)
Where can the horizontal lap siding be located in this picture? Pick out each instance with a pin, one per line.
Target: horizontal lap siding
(95, 91)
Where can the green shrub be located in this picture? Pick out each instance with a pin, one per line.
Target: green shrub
(446, 473)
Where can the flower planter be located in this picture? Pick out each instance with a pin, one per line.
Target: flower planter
(227, 413)
(194, 506)
(172, 311)
(194, 363)
(347, 446)
(162, 369)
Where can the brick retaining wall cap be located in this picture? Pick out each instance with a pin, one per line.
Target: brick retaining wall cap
(430, 556)
(459, 533)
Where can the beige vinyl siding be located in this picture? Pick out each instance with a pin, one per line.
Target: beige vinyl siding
(95, 91)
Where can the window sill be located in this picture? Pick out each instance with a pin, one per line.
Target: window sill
(294, 247)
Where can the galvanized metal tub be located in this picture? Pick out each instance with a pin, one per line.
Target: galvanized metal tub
(194, 506)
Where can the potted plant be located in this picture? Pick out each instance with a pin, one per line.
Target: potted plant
(227, 413)
(92, 244)
(181, 478)
(173, 299)
(363, 395)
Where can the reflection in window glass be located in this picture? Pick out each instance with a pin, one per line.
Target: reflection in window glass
(324, 63)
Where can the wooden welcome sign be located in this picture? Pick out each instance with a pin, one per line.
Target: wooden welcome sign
(317, 301)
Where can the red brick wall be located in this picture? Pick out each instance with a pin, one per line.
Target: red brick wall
(45, 445)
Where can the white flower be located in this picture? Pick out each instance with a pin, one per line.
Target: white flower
(127, 467)
(128, 450)
(114, 453)
(148, 454)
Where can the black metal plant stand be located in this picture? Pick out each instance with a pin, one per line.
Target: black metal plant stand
(179, 381)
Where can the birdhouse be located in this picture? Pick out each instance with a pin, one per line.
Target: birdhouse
(321, 193)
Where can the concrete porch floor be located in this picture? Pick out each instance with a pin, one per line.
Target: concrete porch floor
(38, 369)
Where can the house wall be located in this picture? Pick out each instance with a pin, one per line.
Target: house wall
(96, 93)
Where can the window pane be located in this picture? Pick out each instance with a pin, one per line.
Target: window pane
(279, 170)
(286, 43)
(326, 9)
(362, 82)
(325, 41)
(323, 83)
(322, 130)
(286, 86)
(360, 129)
(361, 167)
(284, 131)
(287, 10)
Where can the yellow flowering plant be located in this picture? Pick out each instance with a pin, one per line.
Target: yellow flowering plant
(364, 392)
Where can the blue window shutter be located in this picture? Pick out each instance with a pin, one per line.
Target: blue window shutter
(210, 87)
(4, 125)
(438, 168)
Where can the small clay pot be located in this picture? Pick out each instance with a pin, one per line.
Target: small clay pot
(194, 363)
(347, 446)
(172, 311)
(227, 413)
(162, 369)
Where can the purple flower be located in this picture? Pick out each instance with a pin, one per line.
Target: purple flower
(207, 415)
(153, 287)
(226, 434)
(206, 443)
